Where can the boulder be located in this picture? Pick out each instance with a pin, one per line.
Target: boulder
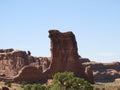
(5, 88)
(83, 60)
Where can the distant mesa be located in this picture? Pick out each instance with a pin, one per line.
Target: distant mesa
(18, 65)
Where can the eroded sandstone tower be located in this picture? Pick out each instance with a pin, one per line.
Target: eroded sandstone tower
(64, 57)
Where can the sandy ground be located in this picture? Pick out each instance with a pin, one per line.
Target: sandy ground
(13, 86)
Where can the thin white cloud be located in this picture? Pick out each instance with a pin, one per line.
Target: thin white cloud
(106, 54)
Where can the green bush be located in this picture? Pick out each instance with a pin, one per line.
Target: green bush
(34, 87)
(67, 81)
(28, 87)
(57, 87)
(37, 87)
(22, 84)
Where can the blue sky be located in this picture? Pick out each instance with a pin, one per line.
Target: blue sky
(24, 25)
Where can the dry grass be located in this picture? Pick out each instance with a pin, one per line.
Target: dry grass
(14, 86)
(97, 86)
(107, 86)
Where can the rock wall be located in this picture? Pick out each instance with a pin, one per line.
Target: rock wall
(104, 72)
(12, 61)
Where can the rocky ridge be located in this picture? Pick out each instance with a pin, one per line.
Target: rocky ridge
(104, 72)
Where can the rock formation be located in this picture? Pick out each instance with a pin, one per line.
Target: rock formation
(17, 65)
(13, 62)
(89, 73)
(64, 55)
(104, 72)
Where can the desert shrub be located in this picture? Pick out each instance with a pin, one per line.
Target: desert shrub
(22, 84)
(67, 81)
(27, 87)
(34, 87)
(62, 81)
(57, 87)
(8, 83)
(37, 87)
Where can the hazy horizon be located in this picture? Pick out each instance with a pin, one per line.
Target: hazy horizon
(24, 25)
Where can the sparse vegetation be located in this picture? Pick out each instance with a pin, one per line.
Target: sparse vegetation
(22, 84)
(8, 83)
(63, 81)
(34, 87)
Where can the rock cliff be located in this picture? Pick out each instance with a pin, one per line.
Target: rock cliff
(12, 62)
(64, 55)
(18, 65)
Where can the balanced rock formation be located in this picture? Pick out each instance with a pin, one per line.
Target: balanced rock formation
(18, 65)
